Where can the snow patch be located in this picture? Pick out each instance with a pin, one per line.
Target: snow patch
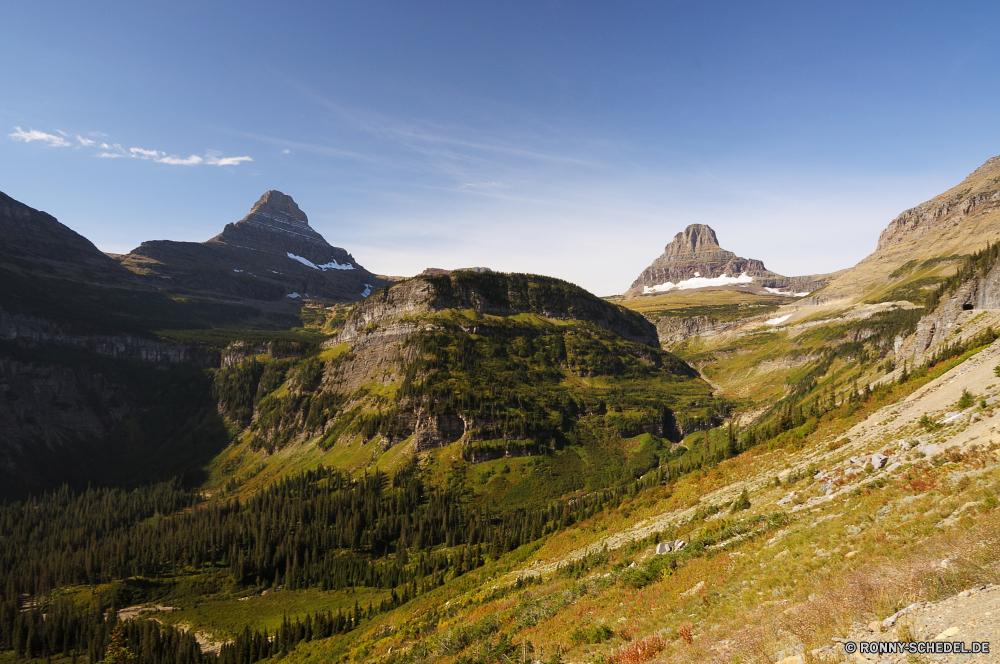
(698, 282)
(697, 274)
(367, 291)
(237, 270)
(293, 295)
(332, 265)
(778, 291)
(779, 320)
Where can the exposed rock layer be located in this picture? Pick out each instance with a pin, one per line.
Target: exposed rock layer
(960, 221)
(695, 253)
(270, 254)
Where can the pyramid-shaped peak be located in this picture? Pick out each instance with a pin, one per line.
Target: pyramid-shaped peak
(275, 202)
(695, 239)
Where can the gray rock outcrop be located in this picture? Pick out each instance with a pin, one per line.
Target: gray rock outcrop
(695, 252)
(272, 254)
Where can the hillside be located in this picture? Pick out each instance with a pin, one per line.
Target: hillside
(481, 366)
(925, 243)
(270, 255)
(475, 467)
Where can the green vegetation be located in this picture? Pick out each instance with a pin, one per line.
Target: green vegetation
(90, 309)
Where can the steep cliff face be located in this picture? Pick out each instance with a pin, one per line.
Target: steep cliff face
(980, 293)
(979, 193)
(916, 246)
(272, 254)
(673, 329)
(69, 415)
(36, 242)
(122, 347)
(694, 259)
(479, 357)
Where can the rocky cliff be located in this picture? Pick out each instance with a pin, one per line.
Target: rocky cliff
(916, 245)
(272, 254)
(478, 356)
(500, 295)
(694, 259)
(35, 242)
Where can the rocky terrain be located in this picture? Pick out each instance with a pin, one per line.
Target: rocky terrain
(35, 242)
(922, 245)
(694, 259)
(272, 254)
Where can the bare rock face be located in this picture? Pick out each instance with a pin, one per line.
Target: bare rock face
(979, 193)
(960, 221)
(674, 329)
(35, 241)
(695, 254)
(975, 294)
(271, 254)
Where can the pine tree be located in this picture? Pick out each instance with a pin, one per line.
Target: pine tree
(118, 652)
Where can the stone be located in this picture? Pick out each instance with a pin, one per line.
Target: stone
(946, 634)
(879, 460)
(695, 253)
(269, 255)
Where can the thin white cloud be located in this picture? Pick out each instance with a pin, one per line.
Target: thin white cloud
(116, 151)
(226, 161)
(177, 161)
(90, 143)
(35, 135)
(483, 185)
(139, 153)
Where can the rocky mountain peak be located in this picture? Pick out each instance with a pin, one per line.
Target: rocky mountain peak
(976, 196)
(694, 259)
(275, 203)
(695, 239)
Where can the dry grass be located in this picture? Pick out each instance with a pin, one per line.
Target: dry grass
(639, 651)
(872, 593)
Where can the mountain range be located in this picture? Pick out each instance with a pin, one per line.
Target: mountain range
(694, 259)
(254, 449)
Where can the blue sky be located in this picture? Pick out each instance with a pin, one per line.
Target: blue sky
(571, 139)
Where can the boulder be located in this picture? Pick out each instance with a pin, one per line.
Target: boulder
(879, 460)
(669, 547)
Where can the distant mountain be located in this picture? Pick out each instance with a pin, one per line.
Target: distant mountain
(271, 254)
(694, 259)
(924, 244)
(35, 242)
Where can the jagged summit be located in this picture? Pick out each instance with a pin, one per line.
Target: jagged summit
(694, 259)
(270, 254)
(275, 224)
(274, 203)
(695, 239)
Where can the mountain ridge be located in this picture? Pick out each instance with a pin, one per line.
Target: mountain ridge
(271, 255)
(694, 259)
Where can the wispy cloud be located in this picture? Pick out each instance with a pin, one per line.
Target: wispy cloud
(139, 153)
(116, 151)
(193, 160)
(34, 135)
(215, 158)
